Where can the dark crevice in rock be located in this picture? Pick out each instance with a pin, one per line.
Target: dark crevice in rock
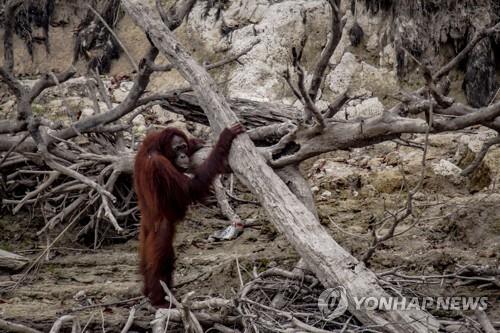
(30, 16)
(434, 31)
(480, 75)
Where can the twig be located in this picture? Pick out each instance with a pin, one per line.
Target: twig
(327, 52)
(109, 214)
(336, 105)
(223, 202)
(308, 328)
(309, 103)
(104, 305)
(233, 57)
(480, 156)
(239, 272)
(9, 23)
(288, 78)
(169, 67)
(344, 231)
(130, 320)
(102, 89)
(62, 214)
(37, 260)
(88, 322)
(494, 97)
(25, 136)
(12, 83)
(52, 178)
(223, 329)
(75, 328)
(175, 15)
(461, 56)
(235, 198)
(49, 160)
(91, 92)
(377, 240)
(191, 324)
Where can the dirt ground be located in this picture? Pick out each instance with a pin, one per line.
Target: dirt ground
(457, 226)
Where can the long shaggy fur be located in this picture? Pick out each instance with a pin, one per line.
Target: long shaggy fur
(164, 194)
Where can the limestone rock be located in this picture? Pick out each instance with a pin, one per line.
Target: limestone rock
(448, 170)
(331, 175)
(392, 158)
(378, 80)
(360, 78)
(387, 180)
(375, 163)
(87, 112)
(370, 107)
(139, 121)
(122, 91)
(279, 27)
(163, 116)
(341, 78)
(467, 150)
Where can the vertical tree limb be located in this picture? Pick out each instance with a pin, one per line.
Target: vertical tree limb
(331, 45)
(9, 18)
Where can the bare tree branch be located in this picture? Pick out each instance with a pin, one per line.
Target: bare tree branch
(9, 17)
(480, 156)
(13, 327)
(14, 85)
(485, 322)
(461, 56)
(335, 106)
(48, 81)
(309, 104)
(331, 45)
(175, 15)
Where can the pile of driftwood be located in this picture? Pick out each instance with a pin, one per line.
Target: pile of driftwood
(278, 300)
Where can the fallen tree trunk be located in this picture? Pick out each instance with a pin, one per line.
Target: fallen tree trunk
(252, 113)
(329, 261)
(12, 261)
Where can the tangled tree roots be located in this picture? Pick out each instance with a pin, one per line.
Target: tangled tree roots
(424, 28)
(94, 42)
(31, 14)
(480, 77)
(276, 298)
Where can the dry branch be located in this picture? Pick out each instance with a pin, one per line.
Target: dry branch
(75, 324)
(9, 17)
(326, 54)
(485, 322)
(480, 156)
(12, 261)
(16, 328)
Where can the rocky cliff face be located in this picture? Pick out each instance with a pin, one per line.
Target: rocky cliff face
(433, 31)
